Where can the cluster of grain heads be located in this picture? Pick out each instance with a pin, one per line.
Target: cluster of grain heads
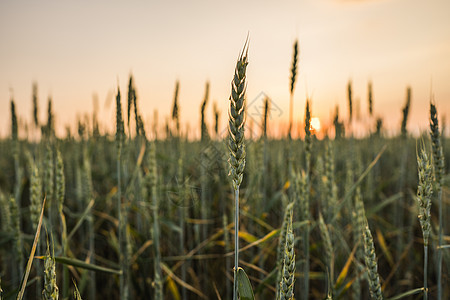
(292, 85)
(438, 164)
(371, 264)
(89, 163)
(236, 144)
(424, 192)
(286, 289)
(50, 291)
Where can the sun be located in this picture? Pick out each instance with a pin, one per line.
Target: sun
(315, 124)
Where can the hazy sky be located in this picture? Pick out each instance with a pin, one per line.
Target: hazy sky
(75, 49)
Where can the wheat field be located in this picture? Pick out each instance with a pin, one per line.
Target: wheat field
(146, 213)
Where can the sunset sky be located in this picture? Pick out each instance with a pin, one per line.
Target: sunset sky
(77, 49)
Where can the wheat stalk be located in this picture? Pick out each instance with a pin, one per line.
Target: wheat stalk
(59, 194)
(424, 192)
(331, 192)
(438, 162)
(303, 186)
(152, 181)
(121, 226)
(236, 143)
(87, 196)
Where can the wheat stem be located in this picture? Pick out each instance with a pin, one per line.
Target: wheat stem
(236, 144)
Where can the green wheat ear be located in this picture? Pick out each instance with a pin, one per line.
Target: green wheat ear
(438, 156)
(424, 192)
(60, 181)
(50, 291)
(236, 121)
(282, 243)
(371, 264)
(287, 281)
(292, 85)
(35, 193)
